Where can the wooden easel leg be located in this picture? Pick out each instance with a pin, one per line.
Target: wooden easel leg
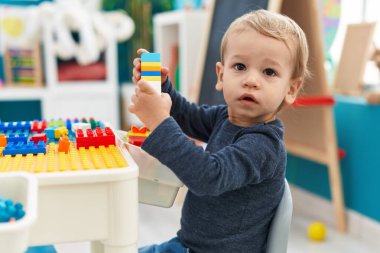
(337, 195)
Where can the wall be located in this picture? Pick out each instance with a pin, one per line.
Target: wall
(358, 134)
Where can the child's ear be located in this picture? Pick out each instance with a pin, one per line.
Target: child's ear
(219, 74)
(295, 87)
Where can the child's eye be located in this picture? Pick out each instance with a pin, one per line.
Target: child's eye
(269, 72)
(239, 66)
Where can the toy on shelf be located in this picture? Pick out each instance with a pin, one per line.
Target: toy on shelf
(23, 67)
(136, 136)
(151, 70)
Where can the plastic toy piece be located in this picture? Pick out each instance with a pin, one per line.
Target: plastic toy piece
(3, 140)
(151, 70)
(24, 149)
(50, 133)
(64, 144)
(10, 210)
(38, 126)
(14, 126)
(15, 138)
(38, 137)
(60, 132)
(136, 136)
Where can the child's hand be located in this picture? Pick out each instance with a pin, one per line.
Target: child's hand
(137, 68)
(149, 106)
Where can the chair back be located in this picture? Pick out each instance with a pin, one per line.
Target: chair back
(279, 229)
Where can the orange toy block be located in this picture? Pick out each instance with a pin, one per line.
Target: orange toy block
(64, 144)
(3, 140)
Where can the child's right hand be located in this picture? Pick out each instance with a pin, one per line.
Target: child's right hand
(137, 68)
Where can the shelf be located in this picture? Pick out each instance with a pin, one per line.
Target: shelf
(22, 93)
(186, 29)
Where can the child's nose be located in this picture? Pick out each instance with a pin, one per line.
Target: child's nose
(251, 81)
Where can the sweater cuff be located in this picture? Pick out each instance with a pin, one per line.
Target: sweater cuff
(157, 139)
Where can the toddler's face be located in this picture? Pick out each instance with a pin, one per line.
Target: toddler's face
(255, 77)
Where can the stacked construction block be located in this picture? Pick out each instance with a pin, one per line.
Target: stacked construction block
(151, 70)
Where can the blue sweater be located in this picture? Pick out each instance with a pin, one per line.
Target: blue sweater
(235, 185)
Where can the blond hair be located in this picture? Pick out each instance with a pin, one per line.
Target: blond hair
(276, 26)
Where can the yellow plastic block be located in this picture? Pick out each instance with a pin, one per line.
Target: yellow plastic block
(15, 166)
(84, 158)
(116, 153)
(40, 163)
(150, 64)
(96, 159)
(107, 157)
(51, 158)
(64, 161)
(28, 161)
(151, 78)
(74, 158)
(4, 162)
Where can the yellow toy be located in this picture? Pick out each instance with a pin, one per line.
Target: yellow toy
(317, 231)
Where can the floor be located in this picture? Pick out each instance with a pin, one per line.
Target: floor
(159, 224)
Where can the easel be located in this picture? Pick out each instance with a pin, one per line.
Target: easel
(356, 52)
(310, 128)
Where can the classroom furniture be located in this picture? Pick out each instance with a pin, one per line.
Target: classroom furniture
(356, 52)
(280, 226)
(86, 194)
(70, 98)
(310, 130)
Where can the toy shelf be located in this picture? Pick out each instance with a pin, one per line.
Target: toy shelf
(186, 30)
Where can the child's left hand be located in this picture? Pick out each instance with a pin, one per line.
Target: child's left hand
(149, 106)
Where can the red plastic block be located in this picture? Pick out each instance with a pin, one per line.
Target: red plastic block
(91, 138)
(38, 137)
(81, 139)
(136, 140)
(111, 140)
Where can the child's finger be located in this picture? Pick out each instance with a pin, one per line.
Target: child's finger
(145, 87)
(142, 50)
(136, 74)
(137, 63)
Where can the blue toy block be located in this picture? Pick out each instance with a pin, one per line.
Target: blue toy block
(42, 249)
(150, 73)
(150, 57)
(16, 138)
(21, 148)
(50, 133)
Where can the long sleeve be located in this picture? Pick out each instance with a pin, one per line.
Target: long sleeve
(195, 121)
(250, 159)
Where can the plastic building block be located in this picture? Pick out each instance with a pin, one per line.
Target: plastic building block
(68, 124)
(3, 140)
(80, 125)
(64, 144)
(9, 210)
(60, 132)
(136, 140)
(23, 149)
(136, 136)
(50, 133)
(17, 138)
(151, 70)
(38, 126)
(38, 137)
